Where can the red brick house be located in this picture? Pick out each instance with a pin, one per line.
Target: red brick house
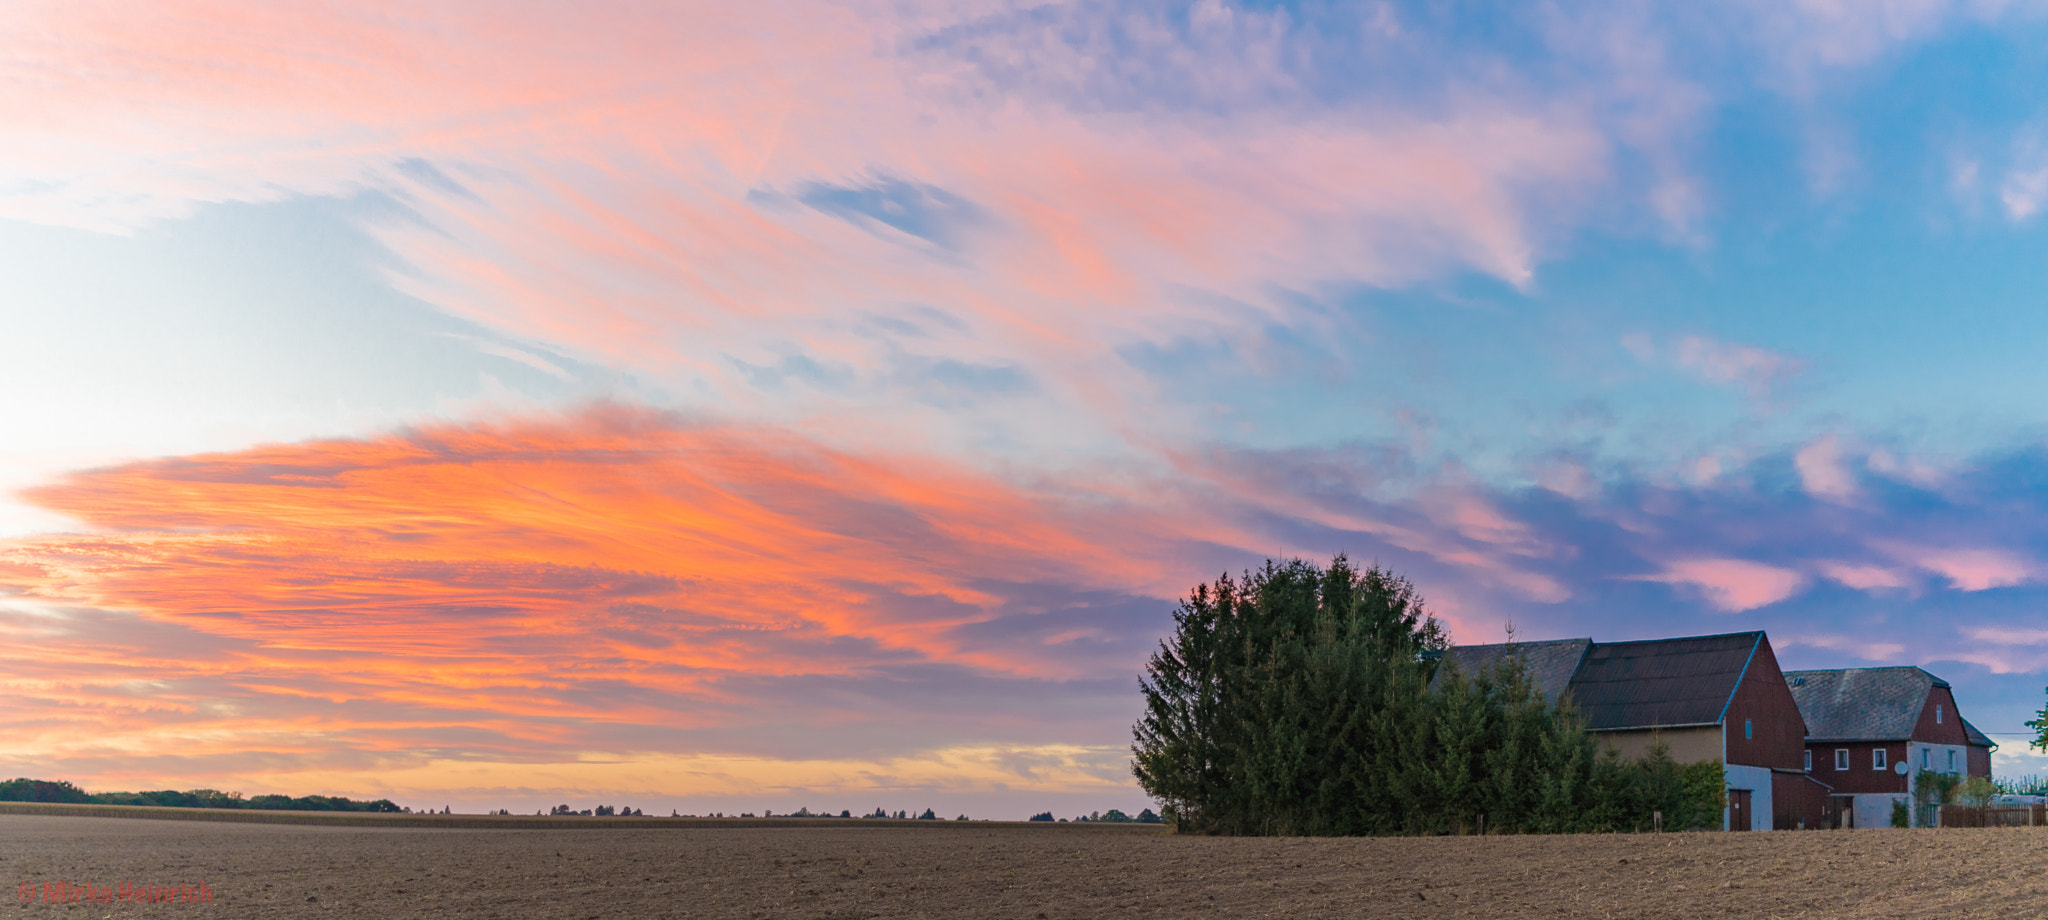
(1981, 747)
(1705, 697)
(1871, 731)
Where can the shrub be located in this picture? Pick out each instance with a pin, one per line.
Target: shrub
(1976, 792)
(1902, 816)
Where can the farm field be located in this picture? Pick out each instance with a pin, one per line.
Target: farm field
(1005, 871)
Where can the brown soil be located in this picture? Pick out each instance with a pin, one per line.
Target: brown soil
(269, 870)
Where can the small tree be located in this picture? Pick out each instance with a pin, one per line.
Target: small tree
(2040, 726)
(1931, 790)
(1976, 792)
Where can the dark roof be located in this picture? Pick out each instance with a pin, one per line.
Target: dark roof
(1662, 682)
(1861, 704)
(1977, 738)
(1550, 664)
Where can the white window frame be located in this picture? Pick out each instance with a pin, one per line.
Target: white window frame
(1877, 758)
(1937, 713)
(1951, 760)
(1841, 760)
(1924, 754)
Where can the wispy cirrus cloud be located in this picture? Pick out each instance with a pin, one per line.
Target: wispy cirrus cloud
(693, 193)
(1757, 371)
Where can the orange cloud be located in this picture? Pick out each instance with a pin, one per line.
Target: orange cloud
(546, 586)
(527, 527)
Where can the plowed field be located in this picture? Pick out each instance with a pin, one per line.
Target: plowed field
(996, 871)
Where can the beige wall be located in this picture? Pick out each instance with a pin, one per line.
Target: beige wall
(1688, 745)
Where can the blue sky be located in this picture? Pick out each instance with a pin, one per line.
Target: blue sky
(995, 327)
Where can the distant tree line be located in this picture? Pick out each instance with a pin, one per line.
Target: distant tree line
(1112, 816)
(37, 790)
(601, 811)
(1299, 700)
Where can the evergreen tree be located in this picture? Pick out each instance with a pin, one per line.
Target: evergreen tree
(1268, 709)
(1307, 701)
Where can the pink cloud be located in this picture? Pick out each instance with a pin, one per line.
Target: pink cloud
(1864, 577)
(629, 181)
(1823, 471)
(1758, 371)
(1915, 471)
(1732, 585)
(1965, 568)
(1976, 569)
(1450, 525)
(2007, 635)
(1755, 369)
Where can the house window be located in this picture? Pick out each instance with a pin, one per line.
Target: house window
(1937, 713)
(1877, 759)
(1841, 760)
(1746, 730)
(1923, 758)
(1951, 761)
(1809, 761)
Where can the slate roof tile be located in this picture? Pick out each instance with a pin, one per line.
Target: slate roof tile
(1861, 704)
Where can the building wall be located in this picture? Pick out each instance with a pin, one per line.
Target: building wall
(1940, 758)
(1799, 803)
(1688, 745)
(1758, 781)
(1875, 810)
(1859, 778)
(1777, 735)
(1947, 731)
(1980, 762)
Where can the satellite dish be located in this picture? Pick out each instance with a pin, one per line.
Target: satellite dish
(1900, 768)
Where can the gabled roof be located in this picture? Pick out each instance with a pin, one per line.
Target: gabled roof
(1862, 704)
(1662, 683)
(1550, 664)
(1977, 738)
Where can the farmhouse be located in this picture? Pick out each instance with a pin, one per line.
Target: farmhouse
(1705, 697)
(1872, 731)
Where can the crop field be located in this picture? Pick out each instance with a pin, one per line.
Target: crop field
(943, 869)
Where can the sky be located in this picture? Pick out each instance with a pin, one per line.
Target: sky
(711, 406)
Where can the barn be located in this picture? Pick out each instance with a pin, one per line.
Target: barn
(1872, 731)
(1705, 697)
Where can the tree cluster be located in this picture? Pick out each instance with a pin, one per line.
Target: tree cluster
(37, 790)
(1301, 700)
